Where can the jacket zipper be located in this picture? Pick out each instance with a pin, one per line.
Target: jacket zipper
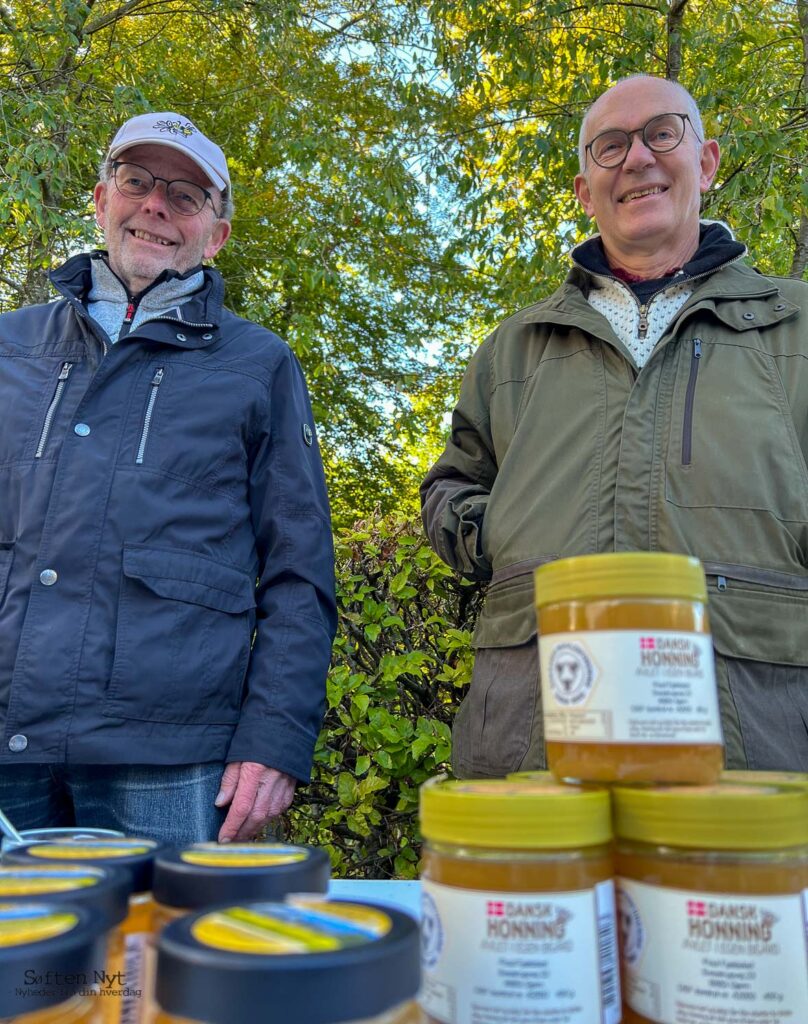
(726, 575)
(690, 394)
(644, 307)
(61, 381)
(144, 435)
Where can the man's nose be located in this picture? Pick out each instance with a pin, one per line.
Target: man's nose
(157, 200)
(639, 155)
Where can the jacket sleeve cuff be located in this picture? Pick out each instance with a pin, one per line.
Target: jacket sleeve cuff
(276, 745)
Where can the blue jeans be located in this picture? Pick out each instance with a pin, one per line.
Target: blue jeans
(172, 804)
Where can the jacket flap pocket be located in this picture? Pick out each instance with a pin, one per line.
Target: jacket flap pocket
(187, 576)
(6, 551)
(508, 616)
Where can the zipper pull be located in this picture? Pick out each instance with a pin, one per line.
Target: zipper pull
(697, 348)
(643, 328)
(64, 373)
(157, 378)
(722, 583)
(130, 313)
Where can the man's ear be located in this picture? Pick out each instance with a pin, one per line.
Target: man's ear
(100, 200)
(709, 160)
(584, 195)
(218, 236)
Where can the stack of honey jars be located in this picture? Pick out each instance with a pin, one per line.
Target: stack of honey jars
(707, 871)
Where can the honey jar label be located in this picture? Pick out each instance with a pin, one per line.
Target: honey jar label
(492, 957)
(306, 926)
(36, 881)
(717, 957)
(21, 924)
(243, 855)
(92, 851)
(629, 686)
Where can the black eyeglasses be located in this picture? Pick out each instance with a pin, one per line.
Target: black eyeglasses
(661, 134)
(184, 197)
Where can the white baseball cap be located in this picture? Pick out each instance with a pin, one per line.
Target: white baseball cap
(177, 132)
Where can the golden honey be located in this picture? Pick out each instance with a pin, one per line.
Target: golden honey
(313, 961)
(712, 895)
(627, 669)
(50, 956)
(518, 902)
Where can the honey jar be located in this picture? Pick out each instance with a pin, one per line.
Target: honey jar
(306, 961)
(627, 669)
(207, 873)
(518, 903)
(50, 956)
(134, 858)
(712, 893)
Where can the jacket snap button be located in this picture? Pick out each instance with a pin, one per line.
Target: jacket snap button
(749, 316)
(779, 307)
(17, 743)
(180, 337)
(81, 429)
(48, 577)
(308, 436)
(206, 337)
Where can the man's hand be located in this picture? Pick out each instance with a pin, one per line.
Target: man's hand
(256, 794)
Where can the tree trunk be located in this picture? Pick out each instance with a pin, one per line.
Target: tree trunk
(673, 61)
(800, 261)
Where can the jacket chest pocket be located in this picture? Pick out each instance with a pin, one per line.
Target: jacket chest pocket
(182, 641)
(38, 397)
(732, 441)
(185, 420)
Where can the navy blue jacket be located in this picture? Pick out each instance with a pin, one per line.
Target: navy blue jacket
(166, 558)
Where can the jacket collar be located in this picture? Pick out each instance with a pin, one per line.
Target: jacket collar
(193, 324)
(732, 292)
(717, 247)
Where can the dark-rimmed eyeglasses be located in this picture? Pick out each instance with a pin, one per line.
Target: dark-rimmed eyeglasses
(661, 134)
(184, 197)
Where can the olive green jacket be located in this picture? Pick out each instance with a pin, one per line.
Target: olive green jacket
(560, 446)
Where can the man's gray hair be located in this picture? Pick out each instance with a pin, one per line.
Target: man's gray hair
(226, 199)
(691, 109)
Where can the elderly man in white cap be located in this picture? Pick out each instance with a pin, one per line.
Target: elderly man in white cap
(166, 564)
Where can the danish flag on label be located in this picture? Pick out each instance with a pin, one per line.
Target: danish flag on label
(496, 908)
(696, 908)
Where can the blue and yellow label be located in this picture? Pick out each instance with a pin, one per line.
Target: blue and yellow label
(302, 926)
(101, 849)
(21, 924)
(19, 881)
(246, 855)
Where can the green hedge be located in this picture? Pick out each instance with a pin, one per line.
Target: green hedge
(401, 656)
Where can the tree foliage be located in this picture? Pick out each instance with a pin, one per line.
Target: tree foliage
(402, 171)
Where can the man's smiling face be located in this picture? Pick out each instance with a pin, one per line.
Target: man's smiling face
(144, 237)
(651, 202)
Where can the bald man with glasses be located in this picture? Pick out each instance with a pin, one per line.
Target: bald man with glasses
(657, 401)
(166, 562)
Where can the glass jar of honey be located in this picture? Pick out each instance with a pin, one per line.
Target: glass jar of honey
(518, 903)
(307, 961)
(208, 873)
(127, 959)
(712, 893)
(627, 669)
(50, 957)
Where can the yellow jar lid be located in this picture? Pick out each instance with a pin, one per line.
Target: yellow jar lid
(725, 816)
(620, 574)
(766, 778)
(509, 814)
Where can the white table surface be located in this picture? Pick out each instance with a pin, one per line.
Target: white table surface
(399, 894)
